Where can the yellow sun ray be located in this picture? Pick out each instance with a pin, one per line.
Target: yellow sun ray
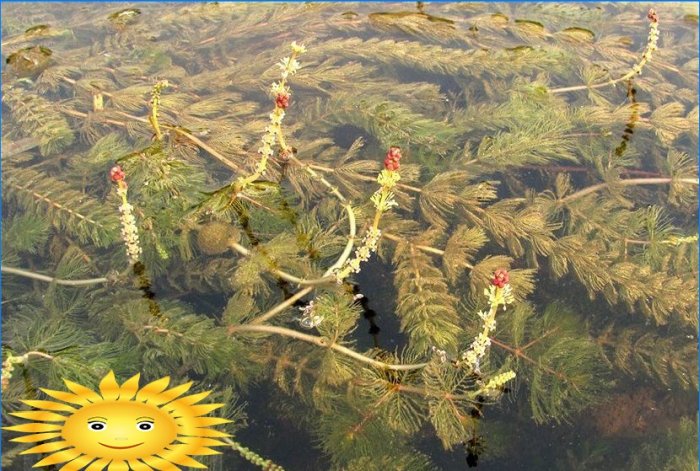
(39, 437)
(77, 464)
(139, 466)
(121, 428)
(209, 421)
(59, 457)
(181, 458)
(206, 432)
(187, 400)
(190, 422)
(97, 465)
(109, 387)
(153, 389)
(118, 466)
(66, 397)
(82, 391)
(129, 388)
(201, 441)
(34, 428)
(47, 447)
(41, 415)
(170, 394)
(50, 405)
(182, 448)
(160, 464)
(203, 409)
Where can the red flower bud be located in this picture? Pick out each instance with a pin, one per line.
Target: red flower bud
(391, 165)
(394, 153)
(282, 100)
(500, 278)
(653, 17)
(116, 174)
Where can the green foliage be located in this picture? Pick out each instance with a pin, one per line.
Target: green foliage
(676, 449)
(427, 310)
(390, 122)
(64, 207)
(561, 366)
(62, 350)
(671, 360)
(399, 459)
(449, 412)
(26, 233)
(37, 117)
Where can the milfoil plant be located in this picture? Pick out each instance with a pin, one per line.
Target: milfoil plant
(249, 247)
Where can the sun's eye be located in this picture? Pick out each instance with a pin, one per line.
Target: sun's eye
(97, 425)
(144, 426)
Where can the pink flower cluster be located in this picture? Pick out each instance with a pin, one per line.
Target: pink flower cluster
(500, 278)
(282, 100)
(391, 162)
(116, 174)
(653, 17)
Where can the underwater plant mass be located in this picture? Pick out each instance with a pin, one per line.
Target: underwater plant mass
(384, 236)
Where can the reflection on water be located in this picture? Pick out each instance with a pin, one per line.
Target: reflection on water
(524, 145)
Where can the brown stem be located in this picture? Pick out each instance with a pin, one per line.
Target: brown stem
(538, 339)
(370, 414)
(571, 168)
(176, 129)
(518, 352)
(161, 330)
(628, 182)
(363, 177)
(424, 248)
(429, 392)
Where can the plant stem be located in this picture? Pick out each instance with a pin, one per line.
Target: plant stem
(586, 87)
(281, 306)
(435, 393)
(176, 129)
(162, 330)
(363, 177)
(628, 182)
(572, 168)
(636, 69)
(49, 279)
(284, 275)
(322, 342)
(538, 339)
(348, 209)
(424, 248)
(37, 354)
(518, 352)
(253, 457)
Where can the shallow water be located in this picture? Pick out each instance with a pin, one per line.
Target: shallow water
(588, 196)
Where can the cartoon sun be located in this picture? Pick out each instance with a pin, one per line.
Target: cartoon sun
(122, 428)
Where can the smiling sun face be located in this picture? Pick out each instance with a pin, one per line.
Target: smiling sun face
(121, 428)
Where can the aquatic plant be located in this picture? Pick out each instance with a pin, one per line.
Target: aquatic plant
(437, 161)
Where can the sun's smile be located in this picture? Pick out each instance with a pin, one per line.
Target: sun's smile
(165, 427)
(120, 447)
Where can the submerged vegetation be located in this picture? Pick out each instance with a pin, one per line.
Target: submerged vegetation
(512, 187)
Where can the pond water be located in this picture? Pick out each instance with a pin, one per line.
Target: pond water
(170, 187)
